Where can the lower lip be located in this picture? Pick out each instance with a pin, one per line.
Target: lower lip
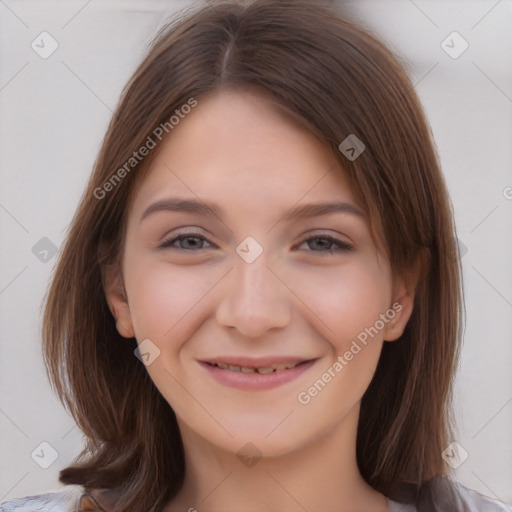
(255, 381)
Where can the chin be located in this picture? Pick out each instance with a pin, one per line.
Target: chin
(269, 438)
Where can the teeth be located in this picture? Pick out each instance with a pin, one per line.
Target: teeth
(264, 371)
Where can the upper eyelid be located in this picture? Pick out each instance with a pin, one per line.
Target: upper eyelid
(172, 238)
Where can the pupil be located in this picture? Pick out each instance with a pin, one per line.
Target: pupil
(323, 242)
(193, 245)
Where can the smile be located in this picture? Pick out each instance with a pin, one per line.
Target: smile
(262, 370)
(250, 374)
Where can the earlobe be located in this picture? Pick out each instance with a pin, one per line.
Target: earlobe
(117, 300)
(126, 331)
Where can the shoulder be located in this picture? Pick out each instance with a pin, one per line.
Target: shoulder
(473, 501)
(462, 499)
(61, 500)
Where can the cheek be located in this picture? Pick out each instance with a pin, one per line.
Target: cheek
(162, 295)
(345, 300)
(350, 304)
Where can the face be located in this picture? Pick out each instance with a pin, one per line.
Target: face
(265, 324)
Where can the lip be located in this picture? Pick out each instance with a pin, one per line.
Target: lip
(256, 381)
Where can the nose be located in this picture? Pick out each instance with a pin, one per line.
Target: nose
(253, 299)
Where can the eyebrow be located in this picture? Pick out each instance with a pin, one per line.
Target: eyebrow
(206, 208)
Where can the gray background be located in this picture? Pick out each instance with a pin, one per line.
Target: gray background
(53, 115)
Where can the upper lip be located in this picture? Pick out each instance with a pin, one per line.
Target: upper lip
(256, 362)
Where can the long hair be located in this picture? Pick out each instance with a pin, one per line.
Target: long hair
(337, 79)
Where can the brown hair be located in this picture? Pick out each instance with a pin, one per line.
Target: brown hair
(337, 79)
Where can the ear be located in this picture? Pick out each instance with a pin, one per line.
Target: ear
(402, 306)
(117, 300)
(403, 301)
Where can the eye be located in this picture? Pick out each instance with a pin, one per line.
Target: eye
(328, 245)
(192, 241)
(325, 244)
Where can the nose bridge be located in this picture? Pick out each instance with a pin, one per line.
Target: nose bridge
(254, 300)
(253, 281)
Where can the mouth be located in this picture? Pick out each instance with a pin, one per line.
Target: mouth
(262, 370)
(256, 374)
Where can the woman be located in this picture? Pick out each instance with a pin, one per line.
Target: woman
(300, 353)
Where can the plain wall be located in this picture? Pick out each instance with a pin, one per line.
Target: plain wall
(54, 113)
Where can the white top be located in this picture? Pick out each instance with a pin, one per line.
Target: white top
(65, 500)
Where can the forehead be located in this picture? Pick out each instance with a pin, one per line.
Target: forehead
(238, 146)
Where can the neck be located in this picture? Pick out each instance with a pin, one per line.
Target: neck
(320, 476)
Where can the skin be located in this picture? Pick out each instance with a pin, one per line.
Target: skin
(199, 299)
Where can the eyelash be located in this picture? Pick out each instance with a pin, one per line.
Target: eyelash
(342, 246)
